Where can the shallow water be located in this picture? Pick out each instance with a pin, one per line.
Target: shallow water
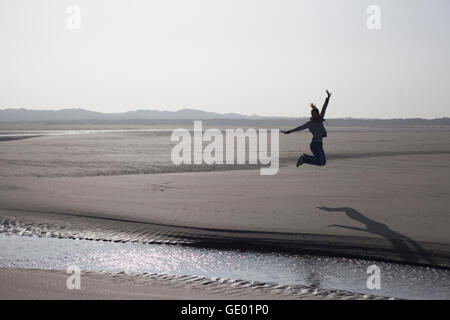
(397, 280)
(20, 133)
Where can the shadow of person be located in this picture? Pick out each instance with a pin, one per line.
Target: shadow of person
(405, 247)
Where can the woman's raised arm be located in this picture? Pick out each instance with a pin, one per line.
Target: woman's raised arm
(325, 105)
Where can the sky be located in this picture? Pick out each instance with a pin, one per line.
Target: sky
(265, 57)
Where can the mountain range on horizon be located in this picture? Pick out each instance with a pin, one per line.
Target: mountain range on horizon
(82, 115)
(22, 114)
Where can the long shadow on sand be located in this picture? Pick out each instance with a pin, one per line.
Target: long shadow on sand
(405, 247)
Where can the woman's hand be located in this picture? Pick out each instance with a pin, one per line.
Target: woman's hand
(328, 94)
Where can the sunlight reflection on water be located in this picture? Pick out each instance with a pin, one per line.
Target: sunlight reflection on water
(397, 280)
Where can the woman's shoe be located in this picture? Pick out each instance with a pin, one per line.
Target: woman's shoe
(299, 161)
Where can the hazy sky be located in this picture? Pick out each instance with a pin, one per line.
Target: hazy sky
(267, 57)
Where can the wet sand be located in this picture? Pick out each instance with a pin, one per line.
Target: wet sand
(383, 195)
(17, 138)
(148, 152)
(49, 285)
(349, 207)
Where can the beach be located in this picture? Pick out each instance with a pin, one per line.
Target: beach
(50, 285)
(384, 194)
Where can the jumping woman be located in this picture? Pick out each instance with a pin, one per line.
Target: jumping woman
(315, 125)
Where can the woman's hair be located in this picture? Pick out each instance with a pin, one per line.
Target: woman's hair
(315, 114)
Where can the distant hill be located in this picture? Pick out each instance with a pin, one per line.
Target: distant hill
(25, 115)
(188, 115)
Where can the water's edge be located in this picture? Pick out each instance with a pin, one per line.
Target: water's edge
(79, 226)
(51, 241)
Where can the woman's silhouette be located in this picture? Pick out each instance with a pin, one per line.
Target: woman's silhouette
(315, 125)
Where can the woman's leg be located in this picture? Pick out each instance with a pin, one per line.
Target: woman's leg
(308, 156)
(301, 159)
(324, 157)
(319, 155)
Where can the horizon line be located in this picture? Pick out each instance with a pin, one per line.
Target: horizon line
(223, 114)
